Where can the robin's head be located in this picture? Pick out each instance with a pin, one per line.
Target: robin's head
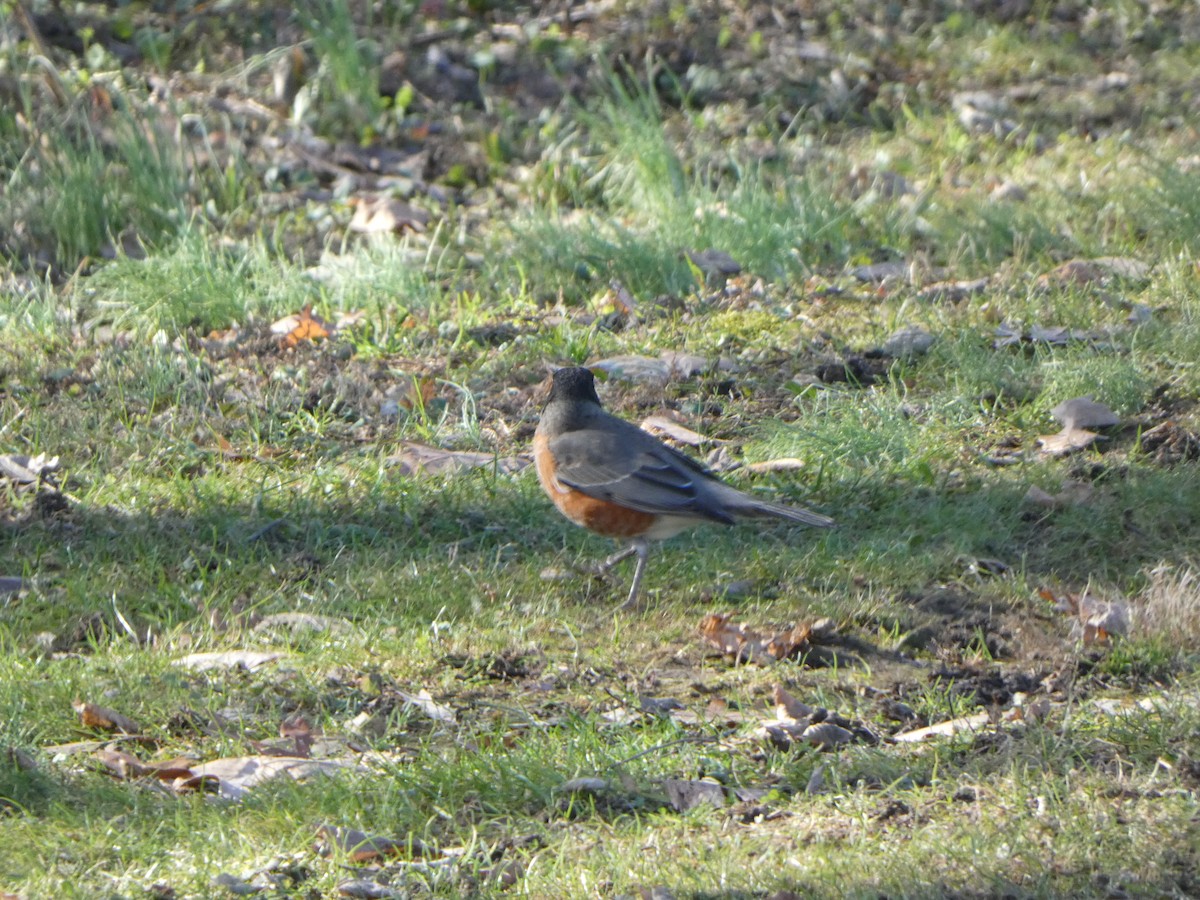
(574, 383)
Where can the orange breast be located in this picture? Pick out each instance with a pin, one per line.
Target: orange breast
(600, 516)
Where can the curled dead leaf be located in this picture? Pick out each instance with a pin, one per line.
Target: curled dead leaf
(744, 644)
(1095, 620)
(362, 847)
(949, 728)
(1065, 442)
(386, 215)
(104, 719)
(229, 659)
(233, 777)
(662, 425)
(787, 706)
(302, 326)
(420, 459)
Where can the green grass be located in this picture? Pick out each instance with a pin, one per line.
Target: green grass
(212, 481)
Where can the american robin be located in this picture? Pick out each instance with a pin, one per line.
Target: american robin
(617, 480)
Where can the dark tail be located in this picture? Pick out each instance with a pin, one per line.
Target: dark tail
(761, 508)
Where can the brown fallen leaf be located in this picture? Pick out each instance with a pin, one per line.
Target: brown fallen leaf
(662, 425)
(417, 393)
(1065, 442)
(126, 766)
(1073, 493)
(783, 464)
(1100, 270)
(228, 659)
(431, 708)
(104, 719)
(233, 777)
(362, 847)
(952, 291)
(787, 706)
(744, 644)
(948, 728)
(622, 300)
(384, 215)
(420, 459)
(302, 326)
(300, 731)
(1095, 621)
(585, 785)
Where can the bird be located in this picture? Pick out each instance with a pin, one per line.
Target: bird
(614, 479)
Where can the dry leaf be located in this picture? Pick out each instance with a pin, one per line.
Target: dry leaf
(783, 464)
(299, 730)
(952, 291)
(298, 623)
(745, 644)
(384, 215)
(420, 459)
(235, 776)
(104, 719)
(303, 326)
(944, 729)
(229, 659)
(416, 393)
(1065, 442)
(787, 706)
(662, 425)
(425, 702)
(1095, 621)
(622, 300)
(1073, 493)
(123, 765)
(1102, 270)
(362, 847)
(1084, 412)
(583, 786)
(23, 469)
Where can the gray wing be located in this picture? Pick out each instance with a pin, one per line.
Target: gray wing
(629, 467)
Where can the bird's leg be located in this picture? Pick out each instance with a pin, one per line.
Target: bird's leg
(641, 547)
(619, 556)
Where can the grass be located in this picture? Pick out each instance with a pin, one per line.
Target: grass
(212, 481)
